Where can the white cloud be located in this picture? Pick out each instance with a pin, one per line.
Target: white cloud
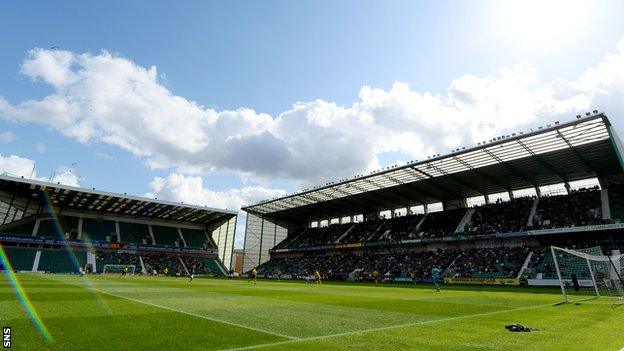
(67, 176)
(40, 147)
(23, 167)
(6, 137)
(108, 98)
(190, 190)
(16, 166)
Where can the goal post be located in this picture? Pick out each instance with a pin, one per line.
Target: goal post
(588, 272)
(118, 268)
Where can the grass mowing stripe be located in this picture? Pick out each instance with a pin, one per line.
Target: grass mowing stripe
(291, 338)
(432, 321)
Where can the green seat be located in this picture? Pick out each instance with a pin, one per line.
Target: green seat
(21, 258)
(62, 261)
(212, 264)
(133, 232)
(165, 235)
(194, 237)
(93, 229)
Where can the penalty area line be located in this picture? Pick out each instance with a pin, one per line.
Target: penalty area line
(390, 327)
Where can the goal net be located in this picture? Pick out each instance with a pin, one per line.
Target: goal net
(588, 272)
(118, 268)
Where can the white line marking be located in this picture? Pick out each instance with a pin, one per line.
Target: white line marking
(321, 337)
(292, 338)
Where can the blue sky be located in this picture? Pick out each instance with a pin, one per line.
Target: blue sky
(374, 83)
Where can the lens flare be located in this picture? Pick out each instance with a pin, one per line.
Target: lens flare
(76, 264)
(23, 297)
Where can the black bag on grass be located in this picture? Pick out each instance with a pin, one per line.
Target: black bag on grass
(518, 328)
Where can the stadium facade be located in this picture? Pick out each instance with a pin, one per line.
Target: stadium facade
(38, 219)
(560, 154)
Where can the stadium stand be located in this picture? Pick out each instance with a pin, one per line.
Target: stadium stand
(93, 229)
(134, 233)
(500, 262)
(117, 258)
(21, 228)
(441, 224)
(166, 235)
(397, 229)
(21, 259)
(64, 223)
(47, 228)
(569, 182)
(195, 238)
(205, 265)
(359, 233)
(616, 201)
(579, 208)
(501, 217)
(58, 228)
(162, 264)
(506, 239)
(61, 261)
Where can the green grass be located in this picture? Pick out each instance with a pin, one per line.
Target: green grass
(146, 313)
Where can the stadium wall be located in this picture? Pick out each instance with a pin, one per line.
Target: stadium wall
(617, 145)
(261, 235)
(223, 234)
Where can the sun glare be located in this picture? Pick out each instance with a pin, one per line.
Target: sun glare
(534, 22)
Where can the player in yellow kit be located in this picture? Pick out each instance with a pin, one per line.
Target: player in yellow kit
(253, 275)
(317, 276)
(375, 275)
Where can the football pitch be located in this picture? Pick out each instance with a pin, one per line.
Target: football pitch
(149, 313)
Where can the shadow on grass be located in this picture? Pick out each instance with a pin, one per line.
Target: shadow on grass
(427, 286)
(578, 302)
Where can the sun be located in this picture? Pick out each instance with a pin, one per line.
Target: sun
(545, 22)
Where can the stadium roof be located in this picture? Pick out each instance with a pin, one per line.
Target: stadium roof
(79, 199)
(580, 149)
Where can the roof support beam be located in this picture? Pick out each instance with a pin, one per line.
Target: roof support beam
(75, 197)
(389, 177)
(458, 180)
(482, 174)
(510, 168)
(433, 181)
(355, 200)
(390, 200)
(541, 160)
(125, 207)
(333, 208)
(577, 154)
(426, 194)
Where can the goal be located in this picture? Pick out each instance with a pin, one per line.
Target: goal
(118, 268)
(588, 272)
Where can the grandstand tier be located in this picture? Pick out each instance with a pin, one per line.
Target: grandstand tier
(51, 227)
(487, 212)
